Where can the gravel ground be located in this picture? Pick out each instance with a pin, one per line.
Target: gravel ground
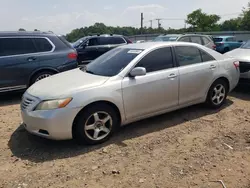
(191, 147)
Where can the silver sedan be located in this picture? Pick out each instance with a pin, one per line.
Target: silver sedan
(127, 84)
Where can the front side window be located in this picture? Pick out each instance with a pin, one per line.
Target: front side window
(112, 62)
(196, 40)
(104, 40)
(156, 60)
(188, 55)
(16, 46)
(184, 39)
(42, 45)
(93, 42)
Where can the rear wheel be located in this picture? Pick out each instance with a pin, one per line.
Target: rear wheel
(96, 124)
(217, 94)
(41, 75)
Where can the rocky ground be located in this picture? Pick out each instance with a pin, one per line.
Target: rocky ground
(192, 147)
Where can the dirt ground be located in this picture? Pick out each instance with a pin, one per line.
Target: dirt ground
(191, 147)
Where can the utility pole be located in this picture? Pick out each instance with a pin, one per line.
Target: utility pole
(159, 24)
(151, 23)
(141, 22)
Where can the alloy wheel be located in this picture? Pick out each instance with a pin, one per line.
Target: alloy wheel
(219, 94)
(42, 77)
(98, 126)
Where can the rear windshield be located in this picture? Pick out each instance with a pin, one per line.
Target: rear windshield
(246, 45)
(217, 39)
(112, 62)
(165, 38)
(62, 38)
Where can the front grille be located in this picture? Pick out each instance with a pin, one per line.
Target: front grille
(244, 67)
(29, 102)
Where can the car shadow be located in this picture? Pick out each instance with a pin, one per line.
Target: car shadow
(35, 149)
(242, 92)
(10, 98)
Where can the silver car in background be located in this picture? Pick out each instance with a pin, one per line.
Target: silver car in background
(205, 40)
(243, 55)
(127, 84)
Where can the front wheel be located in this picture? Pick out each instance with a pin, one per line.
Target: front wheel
(217, 94)
(96, 124)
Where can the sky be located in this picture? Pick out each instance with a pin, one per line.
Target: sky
(62, 16)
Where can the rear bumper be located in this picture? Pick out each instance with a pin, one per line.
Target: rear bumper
(68, 66)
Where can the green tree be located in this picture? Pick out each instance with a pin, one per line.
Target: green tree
(21, 29)
(201, 21)
(232, 24)
(245, 23)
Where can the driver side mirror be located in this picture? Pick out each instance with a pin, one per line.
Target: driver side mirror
(138, 71)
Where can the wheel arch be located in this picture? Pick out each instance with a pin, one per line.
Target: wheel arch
(37, 71)
(95, 103)
(224, 78)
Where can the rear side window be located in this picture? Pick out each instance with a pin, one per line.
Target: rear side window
(206, 40)
(42, 45)
(217, 39)
(230, 39)
(116, 40)
(16, 46)
(157, 60)
(188, 55)
(104, 40)
(196, 40)
(206, 57)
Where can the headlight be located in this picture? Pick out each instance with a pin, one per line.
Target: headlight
(53, 104)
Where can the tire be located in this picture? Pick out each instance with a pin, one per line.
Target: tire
(40, 76)
(88, 124)
(217, 94)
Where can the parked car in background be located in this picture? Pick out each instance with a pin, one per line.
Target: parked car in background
(204, 40)
(226, 43)
(91, 47)
(27, 57)
(243, 55)
(126, 84)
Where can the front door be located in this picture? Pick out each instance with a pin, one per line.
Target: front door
(157, 90)
(197, 70)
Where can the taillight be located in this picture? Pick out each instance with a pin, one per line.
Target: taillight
(72, 55)
(214, 47)
(129, 41)
(237, 64)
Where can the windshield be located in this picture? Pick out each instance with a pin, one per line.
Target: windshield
(112, 62)
(246, 45)
(165, 38)
(217, 39)
(79, 42)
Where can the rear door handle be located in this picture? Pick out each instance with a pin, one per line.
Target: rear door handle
(212, 66)
(31, 59)
(173, 75)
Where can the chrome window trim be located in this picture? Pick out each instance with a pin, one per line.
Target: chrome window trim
(36, 53)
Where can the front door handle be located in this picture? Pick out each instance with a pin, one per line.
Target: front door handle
(212, 66)
(173, 75)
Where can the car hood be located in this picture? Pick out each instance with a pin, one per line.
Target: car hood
(240, 53)
(65, 84)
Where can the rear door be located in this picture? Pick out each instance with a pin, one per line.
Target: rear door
(197, 70)
(17, 61)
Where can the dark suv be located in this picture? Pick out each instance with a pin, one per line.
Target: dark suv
(26, 57)
(91, 47)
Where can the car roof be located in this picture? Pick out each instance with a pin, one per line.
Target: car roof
(25, 33)
(151, 45)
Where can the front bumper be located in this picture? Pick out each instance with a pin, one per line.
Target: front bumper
(50, 124)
